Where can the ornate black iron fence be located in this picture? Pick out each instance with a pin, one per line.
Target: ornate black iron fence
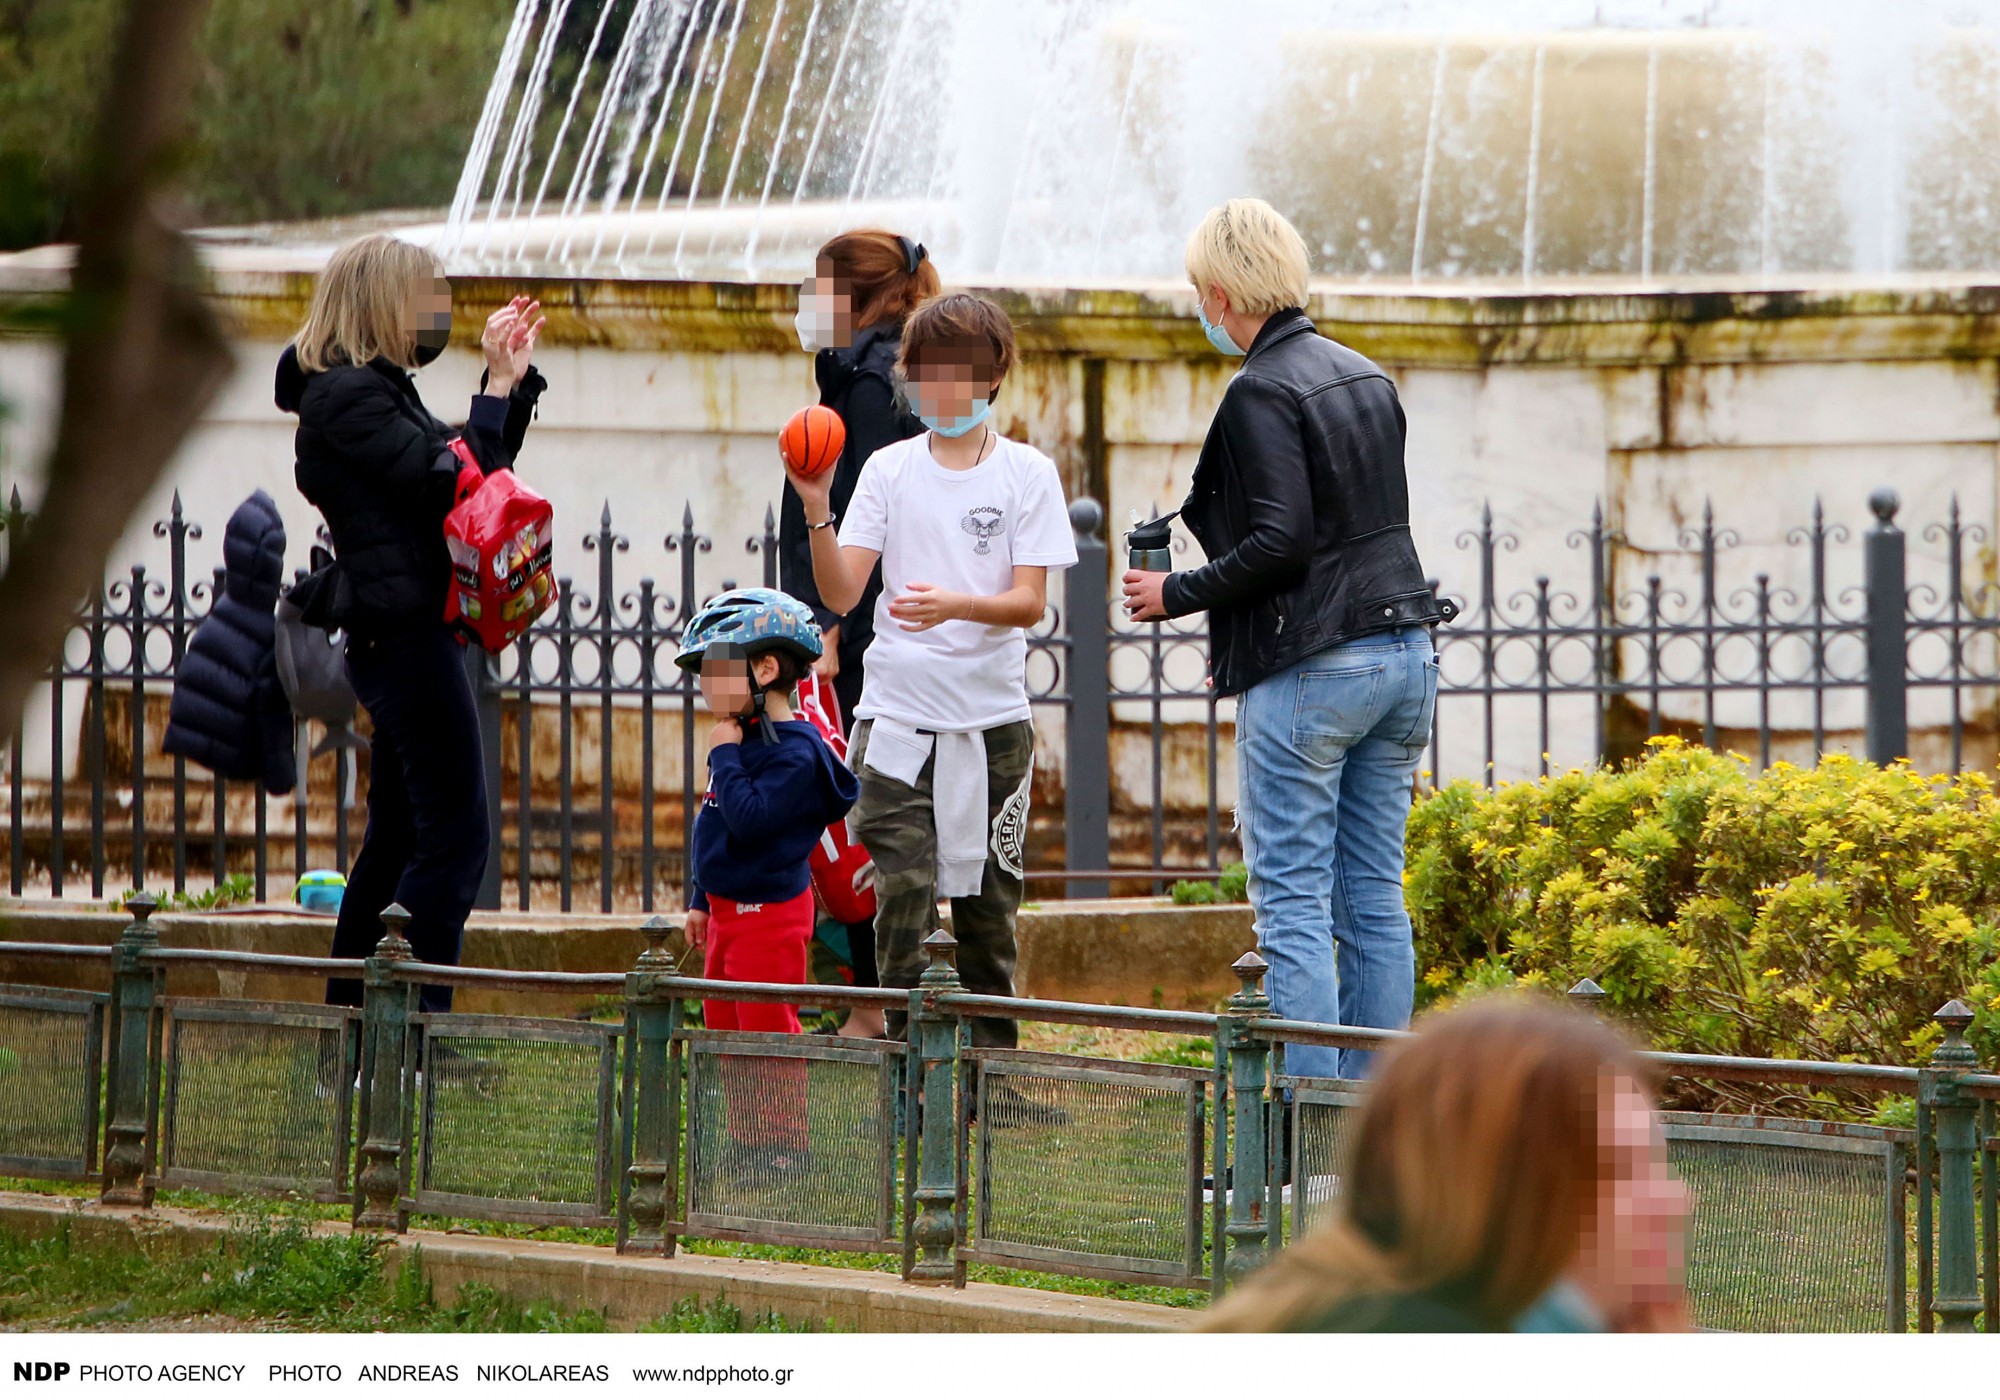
(1785, 650)
(656, 1130)
(1661, 635)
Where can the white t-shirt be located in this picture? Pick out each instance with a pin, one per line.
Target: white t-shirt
(963, 531)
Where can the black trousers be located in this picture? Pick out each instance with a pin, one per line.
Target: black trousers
(425, 846)
(847, 689)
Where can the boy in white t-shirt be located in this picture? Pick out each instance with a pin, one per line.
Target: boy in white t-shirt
(967, 525)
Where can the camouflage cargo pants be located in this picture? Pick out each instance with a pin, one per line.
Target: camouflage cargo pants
(894, 821)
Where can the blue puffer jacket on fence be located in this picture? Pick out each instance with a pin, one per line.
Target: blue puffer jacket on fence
(229, 713)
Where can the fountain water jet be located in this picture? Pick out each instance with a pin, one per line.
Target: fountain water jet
(1078, 139)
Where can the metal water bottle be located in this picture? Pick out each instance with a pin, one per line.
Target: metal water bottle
(1150, 545)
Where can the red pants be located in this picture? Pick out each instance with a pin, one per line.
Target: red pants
(760, 943)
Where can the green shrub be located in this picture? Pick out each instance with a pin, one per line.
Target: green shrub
(1819, 913)
(1196, 892)
(234, 890)
(1233, 887)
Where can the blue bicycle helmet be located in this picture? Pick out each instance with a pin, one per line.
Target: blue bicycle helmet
(754, 620)
(751, 622)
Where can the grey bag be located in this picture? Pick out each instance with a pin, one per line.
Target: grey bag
(312, 668)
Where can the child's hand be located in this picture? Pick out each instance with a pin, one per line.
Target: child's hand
(923, 606)
(815, 493)
(697, 929)
(727, 731)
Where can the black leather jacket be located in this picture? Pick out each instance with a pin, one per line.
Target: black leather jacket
(1300, 502)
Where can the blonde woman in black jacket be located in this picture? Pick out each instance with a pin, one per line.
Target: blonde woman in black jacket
(1319, 623)
(375, 462)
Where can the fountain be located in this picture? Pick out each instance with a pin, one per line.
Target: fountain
(1528, 141)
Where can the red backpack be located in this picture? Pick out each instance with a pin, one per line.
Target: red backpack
(501, 537)
(843, 877)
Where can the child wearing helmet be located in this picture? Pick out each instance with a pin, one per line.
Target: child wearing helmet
(773, 787)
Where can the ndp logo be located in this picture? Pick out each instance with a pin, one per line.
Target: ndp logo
(41, 1370)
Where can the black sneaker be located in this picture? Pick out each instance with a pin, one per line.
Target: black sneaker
(1284, 1163)
(481, 1075)
(1007, 1107)
(326, 1068)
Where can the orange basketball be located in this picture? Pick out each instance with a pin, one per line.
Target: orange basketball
(812, 440)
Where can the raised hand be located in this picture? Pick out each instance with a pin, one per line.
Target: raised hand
(815, 492)
(509, 343)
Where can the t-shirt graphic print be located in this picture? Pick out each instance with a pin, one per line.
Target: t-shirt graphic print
(983, 523)
(964, 531)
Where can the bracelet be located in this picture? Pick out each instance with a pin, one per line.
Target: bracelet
(825, 524)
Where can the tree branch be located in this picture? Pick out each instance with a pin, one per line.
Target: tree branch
(143, 354)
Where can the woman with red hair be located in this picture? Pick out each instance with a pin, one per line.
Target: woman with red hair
(864, 284)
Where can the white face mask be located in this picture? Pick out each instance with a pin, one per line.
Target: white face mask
(809, 330)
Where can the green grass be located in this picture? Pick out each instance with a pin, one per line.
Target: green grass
(273, 1271)
(836, 1259)
(722, 1249)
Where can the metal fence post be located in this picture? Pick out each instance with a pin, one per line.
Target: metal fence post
(935, 1119)
(132, 1078)
(387, 1003)
(1955, 1114)
(1586, 995)
(1888, 685)
(486, 696)
(652, 1100)
(1248, 1232)
(1087, 750)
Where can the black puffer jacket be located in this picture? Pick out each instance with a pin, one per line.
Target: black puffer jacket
(229, 713)
(374, 460)
(859, 383)
(1301, 504)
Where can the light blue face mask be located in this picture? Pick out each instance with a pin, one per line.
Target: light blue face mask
(957, 427)
(1564, 1308)
(1217, 336)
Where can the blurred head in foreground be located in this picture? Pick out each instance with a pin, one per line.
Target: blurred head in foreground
(1508, 1172)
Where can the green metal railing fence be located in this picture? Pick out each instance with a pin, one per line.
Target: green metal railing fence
(945, 1152)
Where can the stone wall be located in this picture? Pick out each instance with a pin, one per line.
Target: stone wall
(1113, 952)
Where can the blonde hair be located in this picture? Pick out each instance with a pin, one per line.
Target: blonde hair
(1248, 249)
(359, 304)
(1475, 1169)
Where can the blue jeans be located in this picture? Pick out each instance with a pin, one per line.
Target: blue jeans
(1326, 753)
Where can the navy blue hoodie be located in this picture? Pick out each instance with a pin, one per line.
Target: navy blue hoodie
(766, 808)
